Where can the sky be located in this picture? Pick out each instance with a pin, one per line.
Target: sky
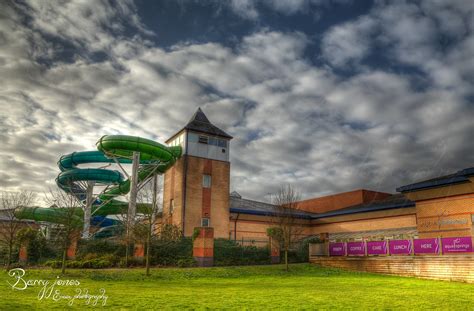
(328, 96)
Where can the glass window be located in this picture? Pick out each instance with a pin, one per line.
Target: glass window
(206, 181)
(193, 138)
(203, 139)
(171, 206)
(222, 143)
(205, 222)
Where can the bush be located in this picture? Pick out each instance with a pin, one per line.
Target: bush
(108, 261)
(187, 262)
(38, 248)
(132, 262)
(230, 253)
(168, 253)
(300, 253)
(99, 248)
(55, 264)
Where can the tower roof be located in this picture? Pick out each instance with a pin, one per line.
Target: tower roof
(200, 123)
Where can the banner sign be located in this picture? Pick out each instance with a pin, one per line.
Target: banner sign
(355, 248)
(400, 247)
(457, 245)
(377, 248)
(337, 249)
(426, 246)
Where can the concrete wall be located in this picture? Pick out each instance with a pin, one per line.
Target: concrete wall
(453, 268)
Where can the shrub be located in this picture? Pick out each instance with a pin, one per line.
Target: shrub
(168, 253)
(94, 263)
(228, 252)
(55, 264)
(100, 248)
(187, 262)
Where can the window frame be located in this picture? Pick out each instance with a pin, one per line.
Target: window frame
(208, 222)
(202, 139)
(206, 184)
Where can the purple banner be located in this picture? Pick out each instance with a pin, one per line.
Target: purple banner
(337, 249)
(400, 247)
(377, 248)
(426, 246)
(355, 248)
(457, 245)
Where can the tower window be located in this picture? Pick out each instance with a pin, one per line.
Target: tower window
(203, 139)
(205, 222)
(206, 181)
(171, 206)
(222, 143)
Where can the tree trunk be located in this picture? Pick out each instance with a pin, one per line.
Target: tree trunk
(65, 247)
(148, 254)
(286, 260)
(10, 251)
(127, 249)
(63, 264)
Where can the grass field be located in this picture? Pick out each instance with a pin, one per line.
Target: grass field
(256, 287)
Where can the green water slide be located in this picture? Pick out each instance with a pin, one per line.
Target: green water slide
(155, 158)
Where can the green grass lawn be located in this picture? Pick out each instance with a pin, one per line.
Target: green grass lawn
(256, 287)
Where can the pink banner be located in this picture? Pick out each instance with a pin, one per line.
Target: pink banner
(377, 248)
(400, 247)
(457, 245)
(426, 246)
(337, 249)
(356, 248)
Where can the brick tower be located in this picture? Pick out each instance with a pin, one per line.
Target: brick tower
(196, 188)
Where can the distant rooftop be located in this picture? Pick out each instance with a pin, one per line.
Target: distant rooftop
(244, 206)
(250, 207)
(200, 123)
(461, 176)
(391, 202)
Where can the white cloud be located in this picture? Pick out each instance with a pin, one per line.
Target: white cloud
(292, 121)
(349, 42)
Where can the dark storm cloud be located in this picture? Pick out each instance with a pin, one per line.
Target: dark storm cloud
(294, 120)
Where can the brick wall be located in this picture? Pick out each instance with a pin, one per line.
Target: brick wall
(254, 227)
(199, 201)
(445, 217)
(390, 219)
(173, 190)
(340, 200)
(453, 268)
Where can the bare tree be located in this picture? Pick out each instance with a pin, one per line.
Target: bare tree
(68, 215)
(286, 218)
(149, 206)
(11, 202)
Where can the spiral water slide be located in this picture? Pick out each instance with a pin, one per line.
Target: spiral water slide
(155, 158)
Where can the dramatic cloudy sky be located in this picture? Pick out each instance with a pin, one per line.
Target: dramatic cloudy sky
(328, 95)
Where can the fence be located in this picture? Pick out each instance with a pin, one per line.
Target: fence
(432, 246)
(423, 258)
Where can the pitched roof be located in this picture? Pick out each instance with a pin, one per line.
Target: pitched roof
(244, 206)
(200, 123)
(451, 179)
(392, 202)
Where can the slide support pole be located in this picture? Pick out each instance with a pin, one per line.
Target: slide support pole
(132, 205)
(87, 210)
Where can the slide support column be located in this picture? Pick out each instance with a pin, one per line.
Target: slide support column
(87, 211)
